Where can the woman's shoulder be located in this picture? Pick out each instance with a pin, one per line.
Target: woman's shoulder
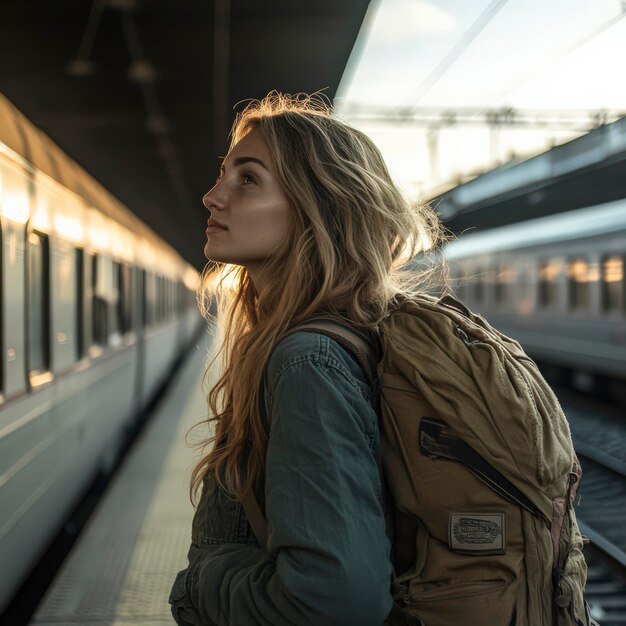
(316, 350)
(304, 345)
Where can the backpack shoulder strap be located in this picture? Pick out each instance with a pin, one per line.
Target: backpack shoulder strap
(363, 345)
(255, 517)
(365, 348)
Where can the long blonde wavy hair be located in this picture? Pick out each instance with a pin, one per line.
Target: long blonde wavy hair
(353, 231)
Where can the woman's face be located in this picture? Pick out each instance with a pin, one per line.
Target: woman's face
(248, 202)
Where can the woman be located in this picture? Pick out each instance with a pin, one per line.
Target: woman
(306, 219)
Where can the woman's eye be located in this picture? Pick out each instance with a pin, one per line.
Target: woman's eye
(246, 179)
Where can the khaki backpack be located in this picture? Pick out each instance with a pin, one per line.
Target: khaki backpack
(478, 459)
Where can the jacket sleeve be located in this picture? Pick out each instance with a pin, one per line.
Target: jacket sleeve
(328, 559)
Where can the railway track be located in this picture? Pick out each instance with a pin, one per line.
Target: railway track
(599, 434)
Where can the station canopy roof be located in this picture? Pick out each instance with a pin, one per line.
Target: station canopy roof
(141, 92)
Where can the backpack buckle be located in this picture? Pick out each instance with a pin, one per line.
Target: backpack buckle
(467, 340)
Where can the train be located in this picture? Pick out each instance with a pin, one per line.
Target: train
(95, 311)
(556, 284)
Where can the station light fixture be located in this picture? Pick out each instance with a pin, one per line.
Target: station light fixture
(142, 71)
(80, 67)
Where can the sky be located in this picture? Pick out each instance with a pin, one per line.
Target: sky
(547, 59)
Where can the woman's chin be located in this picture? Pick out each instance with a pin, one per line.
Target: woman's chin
(212, 256)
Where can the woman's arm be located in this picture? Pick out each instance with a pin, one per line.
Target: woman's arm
(328, 554)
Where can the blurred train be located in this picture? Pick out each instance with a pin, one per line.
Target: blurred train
(556, 284)
(95, 310)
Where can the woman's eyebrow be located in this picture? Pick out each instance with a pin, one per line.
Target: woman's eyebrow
(246, 159)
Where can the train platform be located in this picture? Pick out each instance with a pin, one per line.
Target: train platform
(121, 568)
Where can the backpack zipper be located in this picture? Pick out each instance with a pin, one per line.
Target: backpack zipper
(435, 443)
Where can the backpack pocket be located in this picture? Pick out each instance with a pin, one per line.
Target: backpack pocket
(455, 591)
(436, 443)
(469, 602)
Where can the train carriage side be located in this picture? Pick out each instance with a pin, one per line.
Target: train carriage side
(556, 284)
(74, 369)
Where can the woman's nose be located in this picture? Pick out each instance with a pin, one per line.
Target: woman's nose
(213, 199)
(206, 200)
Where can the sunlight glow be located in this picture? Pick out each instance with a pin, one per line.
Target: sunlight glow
(225, 278)
(571, 65)
(613, 269)
(191, 278)
(68, 227)
(15, 206)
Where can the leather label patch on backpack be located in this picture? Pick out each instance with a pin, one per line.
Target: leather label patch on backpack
(477, 533)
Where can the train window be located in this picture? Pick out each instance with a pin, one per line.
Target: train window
(88, 282)
(505, 276)
(38, 303)
(523, 287)
(144, 301)
(156, 300)
(548, 273)
(115, 301)
(122, 298)
(80, 302)
(153, 307)
(579, 273)
(168, 305)
(161, 298)
(498, 292)
(479, 285)
(99, 302)
(127, 298)
(180, 297)
(613, 283)
(150, 285)
(166, 297)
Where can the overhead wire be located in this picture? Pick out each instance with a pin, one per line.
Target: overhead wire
(471, 34)
(564, 53)
(468, 37)
(459, 48)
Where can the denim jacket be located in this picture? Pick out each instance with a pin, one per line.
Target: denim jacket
(328, 552)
